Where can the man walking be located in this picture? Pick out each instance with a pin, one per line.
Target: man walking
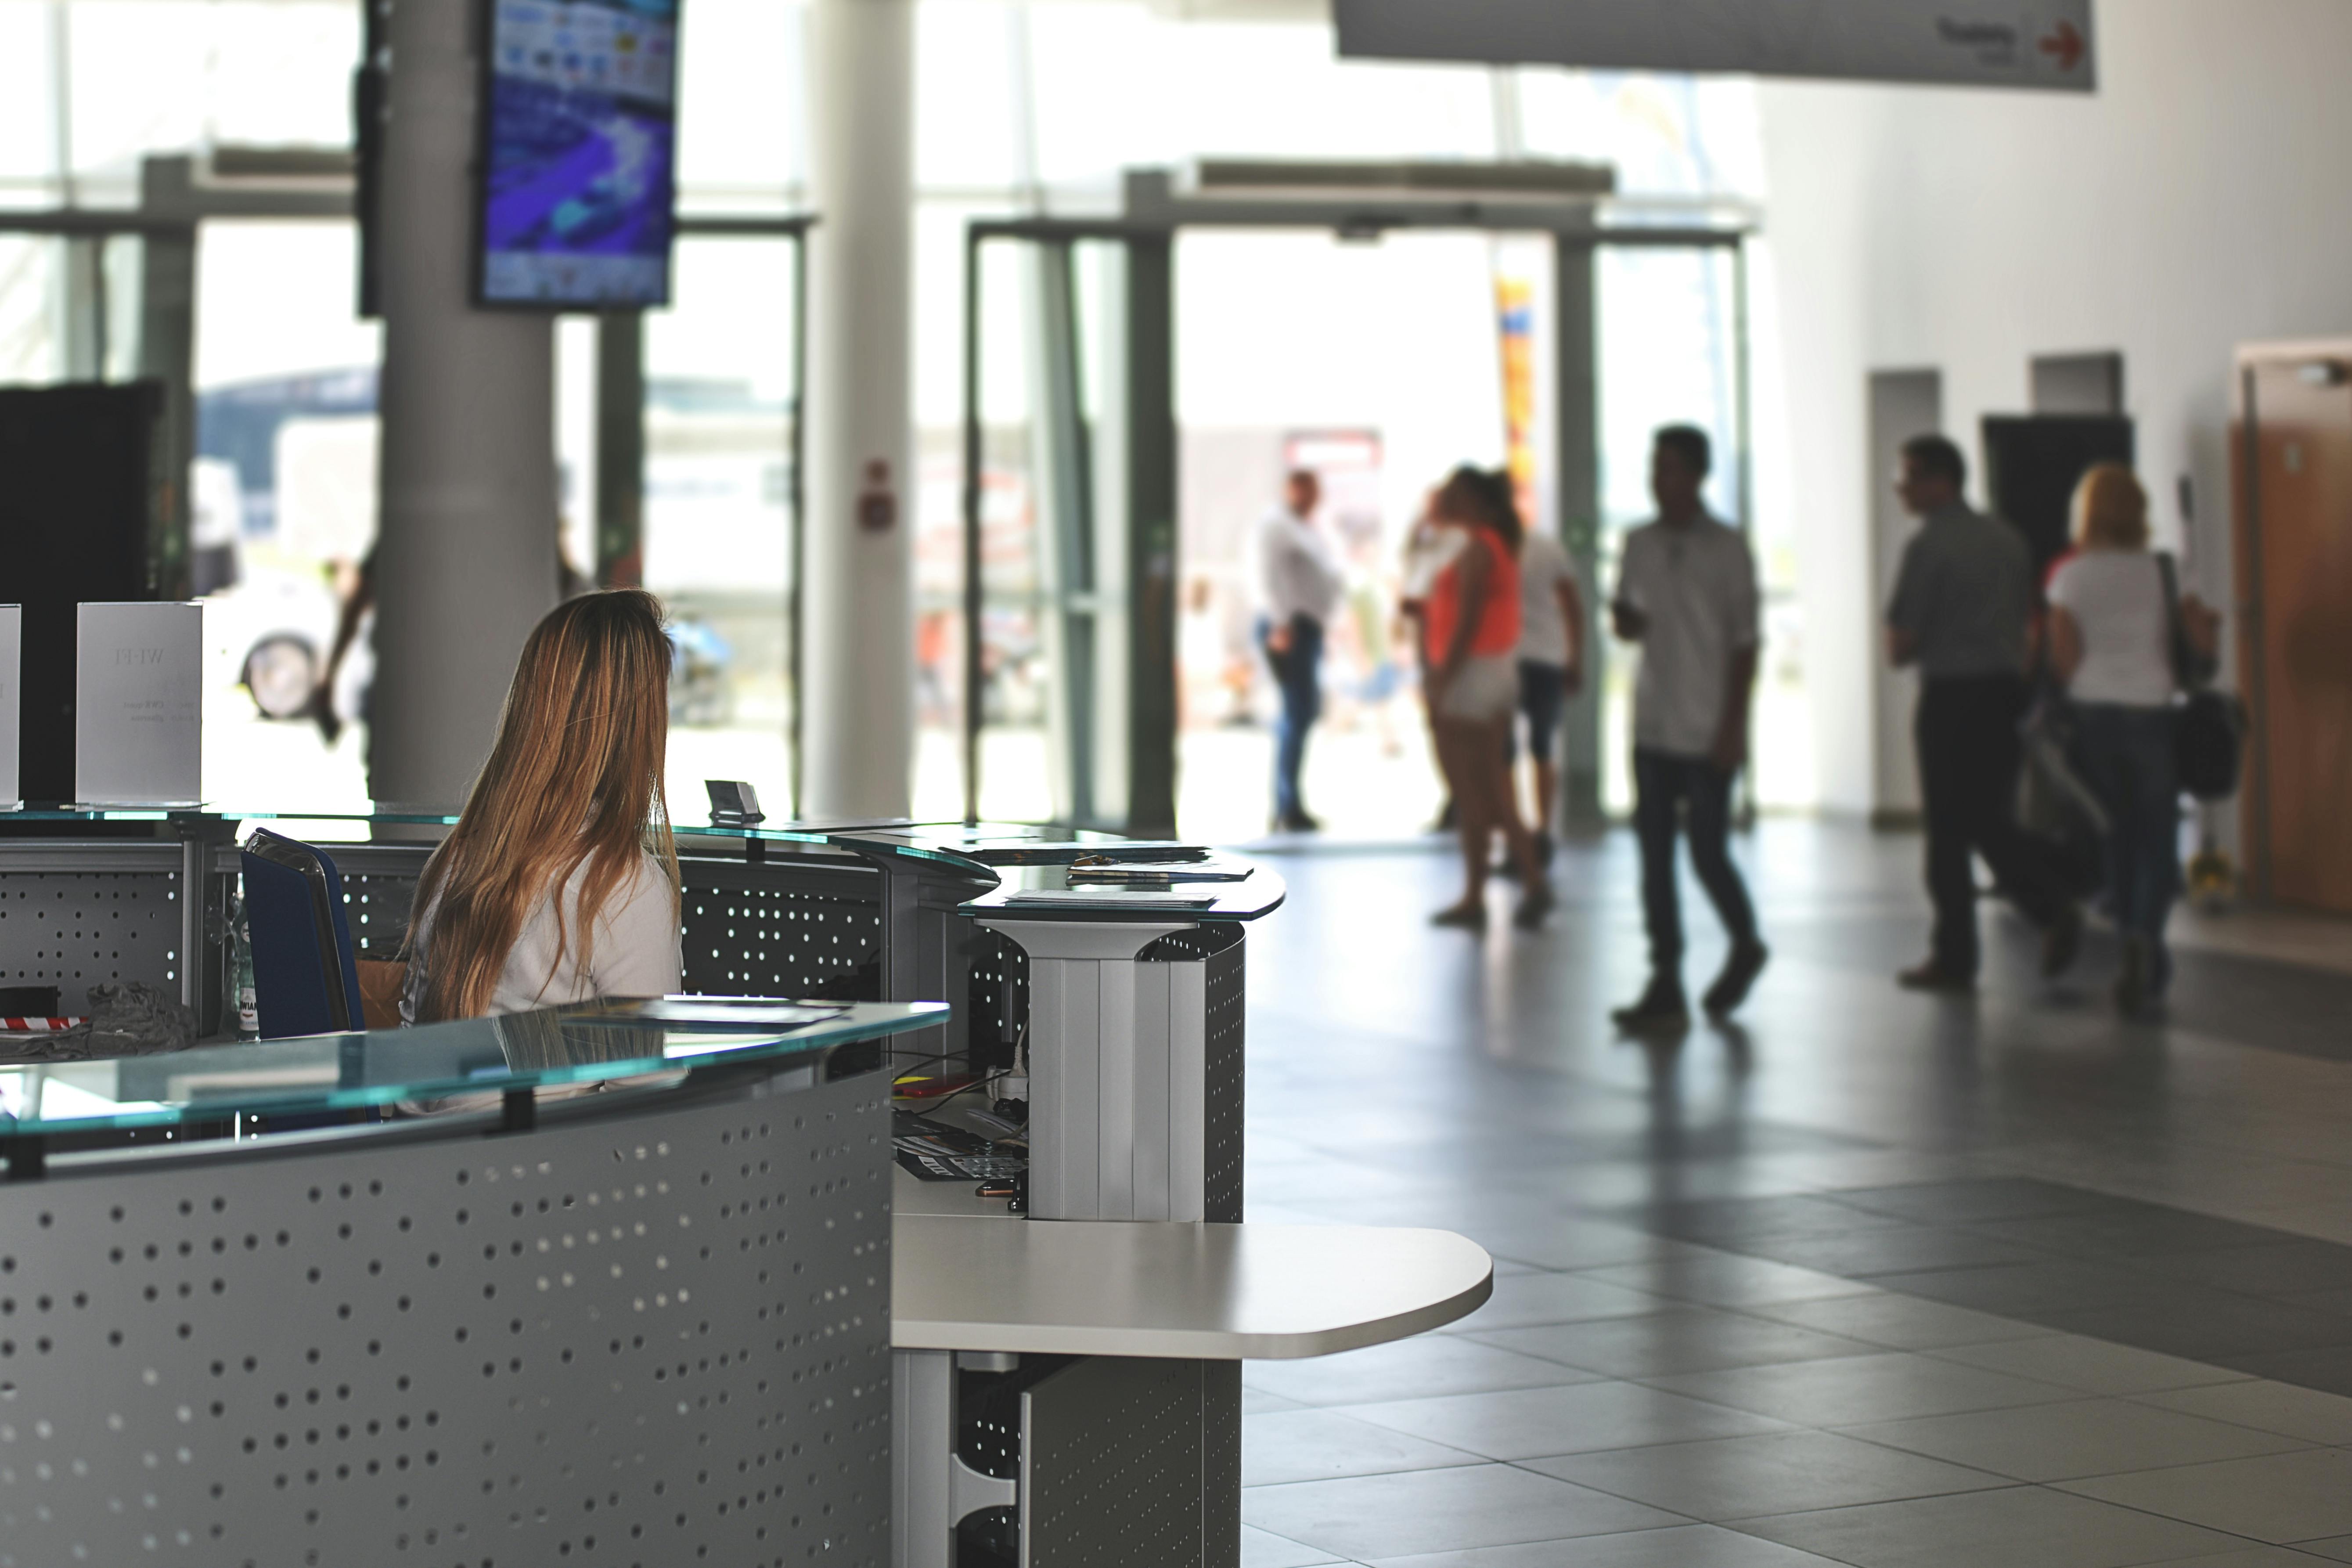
(1686, 593)
(1299, 587)
(1963, 600)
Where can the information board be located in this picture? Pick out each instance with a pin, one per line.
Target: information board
(1980, 43)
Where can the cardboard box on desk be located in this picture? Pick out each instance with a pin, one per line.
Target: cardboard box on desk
(139, 736)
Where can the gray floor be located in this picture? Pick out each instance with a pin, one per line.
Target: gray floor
(1868, 1278)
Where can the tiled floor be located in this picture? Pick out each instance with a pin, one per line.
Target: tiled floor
(1865, 1279)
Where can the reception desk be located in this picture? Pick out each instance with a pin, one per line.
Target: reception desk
(602, 1287)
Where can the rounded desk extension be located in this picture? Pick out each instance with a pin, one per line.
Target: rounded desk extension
(638, 1327)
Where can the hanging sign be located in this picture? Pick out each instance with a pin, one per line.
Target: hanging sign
(1966, 43)
(139, 705)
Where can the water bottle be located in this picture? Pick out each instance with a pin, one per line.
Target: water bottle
(240, 938)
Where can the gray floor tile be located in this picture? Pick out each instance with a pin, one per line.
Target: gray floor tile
(1900, 1323)
(1568, 1242)
(1854, 1389)
(2266, 1406)
(2298, 1556)
(2281, 1497)
(1865, 1253)
(2063, 1442)
(1419, 1368)
(1725, 1279)
(1527, 1424)
(1720, 1222)
(2327, 1368)
(1263, 1549)
(1688, 1339)
(2094, 1366)
(2204, 1324)
(1257, 1401)
(1441, 1510)
(2280, 1267)
(2023, 1527)
(1555, 1298)
(1988, 1198)
(2025, 1289)
(1783, 1472)
(1687, 1546)
(1316, 1445)
(2145, 1231)
(2336, 1549)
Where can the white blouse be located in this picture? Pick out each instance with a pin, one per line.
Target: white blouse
(639, 948)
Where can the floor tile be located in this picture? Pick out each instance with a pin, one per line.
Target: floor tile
(2202, 1324)
(1783, 1472)
(2024, 1290)
(1316, 1445)
(1690, 1339)
(1441, 1510)
(1723, 1221)
(2281, 1268)
(2266, 1406)
(1555, 1298)
(2281, 1497)
(1686, 1546)
(1261, 1548)
(1527, 1424)
(2080, 1438)
(2023, 1527)
(1962, 1203)
(1725, 1279)
(2298, 1556)
(2094, 1366)
(2136, 1232)
(1864, 1253)
(2327, 1369)
(1568, 1242)
(2336, 1549)
(1418, 1368)
(1899, 1322)
(1257, 1401)
(1854, 1389)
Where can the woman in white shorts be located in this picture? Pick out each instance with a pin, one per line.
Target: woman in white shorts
(1471, 638)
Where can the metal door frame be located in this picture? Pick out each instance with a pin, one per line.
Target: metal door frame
(1154, 211)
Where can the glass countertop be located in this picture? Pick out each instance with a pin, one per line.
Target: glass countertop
(589, 1043)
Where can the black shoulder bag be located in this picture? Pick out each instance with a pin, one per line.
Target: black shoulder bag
(2209, 731)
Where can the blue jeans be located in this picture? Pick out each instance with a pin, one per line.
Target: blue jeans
(2124, 754)
(1299, 674)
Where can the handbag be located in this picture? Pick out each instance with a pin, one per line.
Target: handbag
(2209, 730)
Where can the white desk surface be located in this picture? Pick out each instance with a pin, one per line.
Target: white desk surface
(1206, 1292)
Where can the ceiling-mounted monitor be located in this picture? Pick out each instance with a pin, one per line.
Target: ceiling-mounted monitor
(576, 193)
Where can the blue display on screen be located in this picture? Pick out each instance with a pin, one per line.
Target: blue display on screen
(578, 148)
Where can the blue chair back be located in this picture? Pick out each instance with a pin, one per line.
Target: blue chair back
(305, 981)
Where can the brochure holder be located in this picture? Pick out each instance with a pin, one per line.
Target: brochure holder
(139, 705)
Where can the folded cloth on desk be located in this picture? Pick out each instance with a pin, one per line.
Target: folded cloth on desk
(131, 1019)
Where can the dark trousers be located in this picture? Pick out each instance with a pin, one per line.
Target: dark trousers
(2126, 756)
(1299, 673)
(1666, 787)
(1968, 758)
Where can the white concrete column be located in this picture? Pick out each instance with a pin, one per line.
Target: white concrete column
(466, 556)
(859, 595)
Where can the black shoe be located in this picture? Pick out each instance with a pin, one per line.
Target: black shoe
(1933, 976)
(1297, 821)
(2060, 941)
(1546, 846)
(1461, 917)
(1534, 906)
(1662, 1006)
(2132, 988)
(1739, 972)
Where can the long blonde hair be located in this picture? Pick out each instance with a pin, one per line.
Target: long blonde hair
(574, 778)
(2110, 509)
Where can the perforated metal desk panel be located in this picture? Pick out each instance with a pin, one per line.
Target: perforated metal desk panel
(643, 1326)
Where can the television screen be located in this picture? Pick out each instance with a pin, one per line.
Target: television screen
(579, 138)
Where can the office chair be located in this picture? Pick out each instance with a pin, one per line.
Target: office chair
(305, 981)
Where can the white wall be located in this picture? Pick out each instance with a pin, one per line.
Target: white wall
(2202, 198)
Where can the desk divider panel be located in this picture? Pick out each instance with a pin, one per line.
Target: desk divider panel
(446, 1346)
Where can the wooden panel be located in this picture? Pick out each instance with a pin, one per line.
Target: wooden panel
(2296, 567)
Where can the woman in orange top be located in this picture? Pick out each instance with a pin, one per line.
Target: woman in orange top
(1471, 638)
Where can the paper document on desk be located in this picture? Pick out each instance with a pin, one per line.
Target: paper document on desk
(1111, 898)
(1160, 873)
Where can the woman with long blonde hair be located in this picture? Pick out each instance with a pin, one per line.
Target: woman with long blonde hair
(560, 881)
(2117, 624)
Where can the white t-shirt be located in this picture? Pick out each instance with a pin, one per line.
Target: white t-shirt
(2116, 599)
(1696, 583)
(1543, 630)
(638, 950)
(1298, 571)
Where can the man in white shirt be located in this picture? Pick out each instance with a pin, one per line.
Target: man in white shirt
(1297, 577)
(1686, 593)
(1551, 663)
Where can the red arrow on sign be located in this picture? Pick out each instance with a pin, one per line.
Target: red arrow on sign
(2065, 44)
